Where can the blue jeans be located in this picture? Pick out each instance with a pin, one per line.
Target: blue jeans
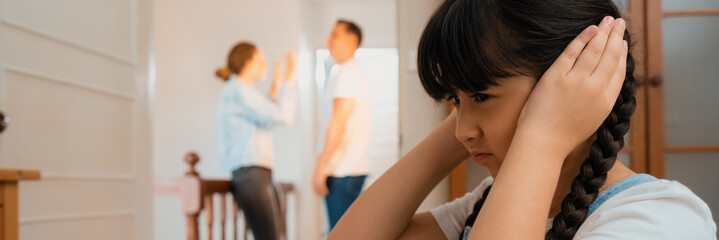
(343, 192)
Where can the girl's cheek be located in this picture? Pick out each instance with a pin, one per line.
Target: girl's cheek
(501, 138)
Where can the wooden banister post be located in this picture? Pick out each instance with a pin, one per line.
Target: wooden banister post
(9, 200)
(234, 220)
(190, 196)
(192, 159)
(223, 213)
(191, 228)
(209, 213)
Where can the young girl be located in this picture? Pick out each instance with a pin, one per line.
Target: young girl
(244, 140)
(543, 99)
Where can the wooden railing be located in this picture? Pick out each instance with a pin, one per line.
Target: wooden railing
(196, 194)
(9, 199)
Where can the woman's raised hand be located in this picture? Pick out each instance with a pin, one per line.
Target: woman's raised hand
(291, 66)
(576, 94)
(277, 72)
(276, 80)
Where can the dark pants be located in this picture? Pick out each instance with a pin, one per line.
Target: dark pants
(254, 193)
(343, 192)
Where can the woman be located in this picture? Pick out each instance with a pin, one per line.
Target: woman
(543, 99)
(245, 119)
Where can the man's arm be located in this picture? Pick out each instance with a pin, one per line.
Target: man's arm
(343, 108)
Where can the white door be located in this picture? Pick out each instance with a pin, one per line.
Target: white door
(73, 81)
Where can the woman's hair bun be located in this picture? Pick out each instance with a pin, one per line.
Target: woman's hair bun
(223, 73)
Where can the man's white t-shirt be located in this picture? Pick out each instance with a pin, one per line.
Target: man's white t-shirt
(351, 157)
(660, 209)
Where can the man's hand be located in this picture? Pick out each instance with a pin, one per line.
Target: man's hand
(319, 183)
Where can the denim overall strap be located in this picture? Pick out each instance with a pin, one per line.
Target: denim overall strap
(619, 187)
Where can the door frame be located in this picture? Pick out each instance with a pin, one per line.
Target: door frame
(657, 147)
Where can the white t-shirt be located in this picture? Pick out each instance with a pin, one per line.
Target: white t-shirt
(659, 209)
(351, 157)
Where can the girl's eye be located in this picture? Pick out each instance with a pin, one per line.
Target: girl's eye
(481, 97)
(454, 100)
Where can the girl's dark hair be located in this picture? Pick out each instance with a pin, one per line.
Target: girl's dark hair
(470, 45)
(475, 210)
(239, 55)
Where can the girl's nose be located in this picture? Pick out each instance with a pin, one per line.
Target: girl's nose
(467, 128)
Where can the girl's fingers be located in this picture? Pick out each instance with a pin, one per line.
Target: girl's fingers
(608, 63)
(618, 78)
(566, 60)
(588, 59)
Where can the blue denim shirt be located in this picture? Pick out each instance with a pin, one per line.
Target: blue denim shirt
(244, 122)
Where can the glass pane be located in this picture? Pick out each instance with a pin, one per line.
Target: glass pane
(691, 57)
(698, 172)
(688, 4)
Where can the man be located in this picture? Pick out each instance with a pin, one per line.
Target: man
(342, 166)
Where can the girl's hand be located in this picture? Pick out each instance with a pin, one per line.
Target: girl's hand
(576, 94)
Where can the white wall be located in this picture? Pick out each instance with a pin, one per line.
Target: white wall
(419, 115)
(191, 40)
(376, 18)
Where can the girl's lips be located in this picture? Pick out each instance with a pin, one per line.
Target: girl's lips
(480, 158)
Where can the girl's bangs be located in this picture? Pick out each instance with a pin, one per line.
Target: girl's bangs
(461, 51)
